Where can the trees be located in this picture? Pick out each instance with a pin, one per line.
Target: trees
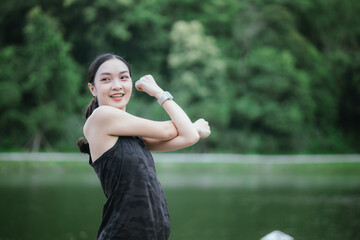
(273, 101)
(198, 73)
(271, 76)
(44, 80)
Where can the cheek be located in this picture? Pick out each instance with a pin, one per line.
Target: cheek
(97, 86)
(102, 88)
(129, 86)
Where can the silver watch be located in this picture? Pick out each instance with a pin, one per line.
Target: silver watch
(165, 97)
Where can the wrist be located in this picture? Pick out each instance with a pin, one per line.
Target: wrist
(165, 96)
(158, 93)
(195, 126)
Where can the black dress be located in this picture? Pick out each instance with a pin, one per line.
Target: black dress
(136, 207)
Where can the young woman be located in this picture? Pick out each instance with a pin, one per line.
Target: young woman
(119, 146)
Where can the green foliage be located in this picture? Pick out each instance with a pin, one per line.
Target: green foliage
(199, 75)
(48, 81)
(271, 76)
(275, 98)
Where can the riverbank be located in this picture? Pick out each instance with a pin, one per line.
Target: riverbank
(196, 158)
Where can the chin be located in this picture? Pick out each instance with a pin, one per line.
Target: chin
(120, 106)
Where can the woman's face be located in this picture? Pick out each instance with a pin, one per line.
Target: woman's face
(112, 84)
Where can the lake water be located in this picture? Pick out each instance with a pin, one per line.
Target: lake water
(207, 201)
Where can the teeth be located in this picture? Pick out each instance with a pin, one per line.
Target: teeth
(117, 95)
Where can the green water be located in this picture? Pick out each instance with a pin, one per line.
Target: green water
(62, 200)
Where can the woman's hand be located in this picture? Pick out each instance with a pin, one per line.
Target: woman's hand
(147, 84)
(202, 127)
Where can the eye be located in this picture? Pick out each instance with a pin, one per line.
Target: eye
(125, 77)
(105, 79)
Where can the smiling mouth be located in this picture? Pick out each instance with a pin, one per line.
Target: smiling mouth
(119, 95)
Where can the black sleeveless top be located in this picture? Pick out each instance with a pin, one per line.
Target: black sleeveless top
(136, 207)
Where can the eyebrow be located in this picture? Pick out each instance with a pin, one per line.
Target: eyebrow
(105, 73)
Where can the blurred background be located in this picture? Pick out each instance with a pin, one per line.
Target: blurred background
(278, 80)
(271, 76)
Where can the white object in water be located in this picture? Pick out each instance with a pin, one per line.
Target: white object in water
(277, 235)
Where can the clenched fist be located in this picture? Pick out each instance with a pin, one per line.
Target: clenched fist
(202, 127)
(147, 84)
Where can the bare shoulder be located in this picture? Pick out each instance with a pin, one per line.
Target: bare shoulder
(103, 112)
(95, 133)
(102, 115)
(99, 115)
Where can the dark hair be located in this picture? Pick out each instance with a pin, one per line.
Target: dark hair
(94, 66)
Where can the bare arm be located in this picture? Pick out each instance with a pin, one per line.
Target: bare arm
(111, 121)
(187, 134)
(165, 136)
(201, 126)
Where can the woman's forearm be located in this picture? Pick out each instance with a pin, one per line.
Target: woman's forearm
(180, 119)
(187, 134)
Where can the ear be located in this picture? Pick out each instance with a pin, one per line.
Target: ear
(92, 89)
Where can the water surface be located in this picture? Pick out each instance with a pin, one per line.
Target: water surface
(63, 200)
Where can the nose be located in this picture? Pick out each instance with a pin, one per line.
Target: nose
(116, 84)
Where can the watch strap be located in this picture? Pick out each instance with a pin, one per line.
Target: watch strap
(166, 95)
